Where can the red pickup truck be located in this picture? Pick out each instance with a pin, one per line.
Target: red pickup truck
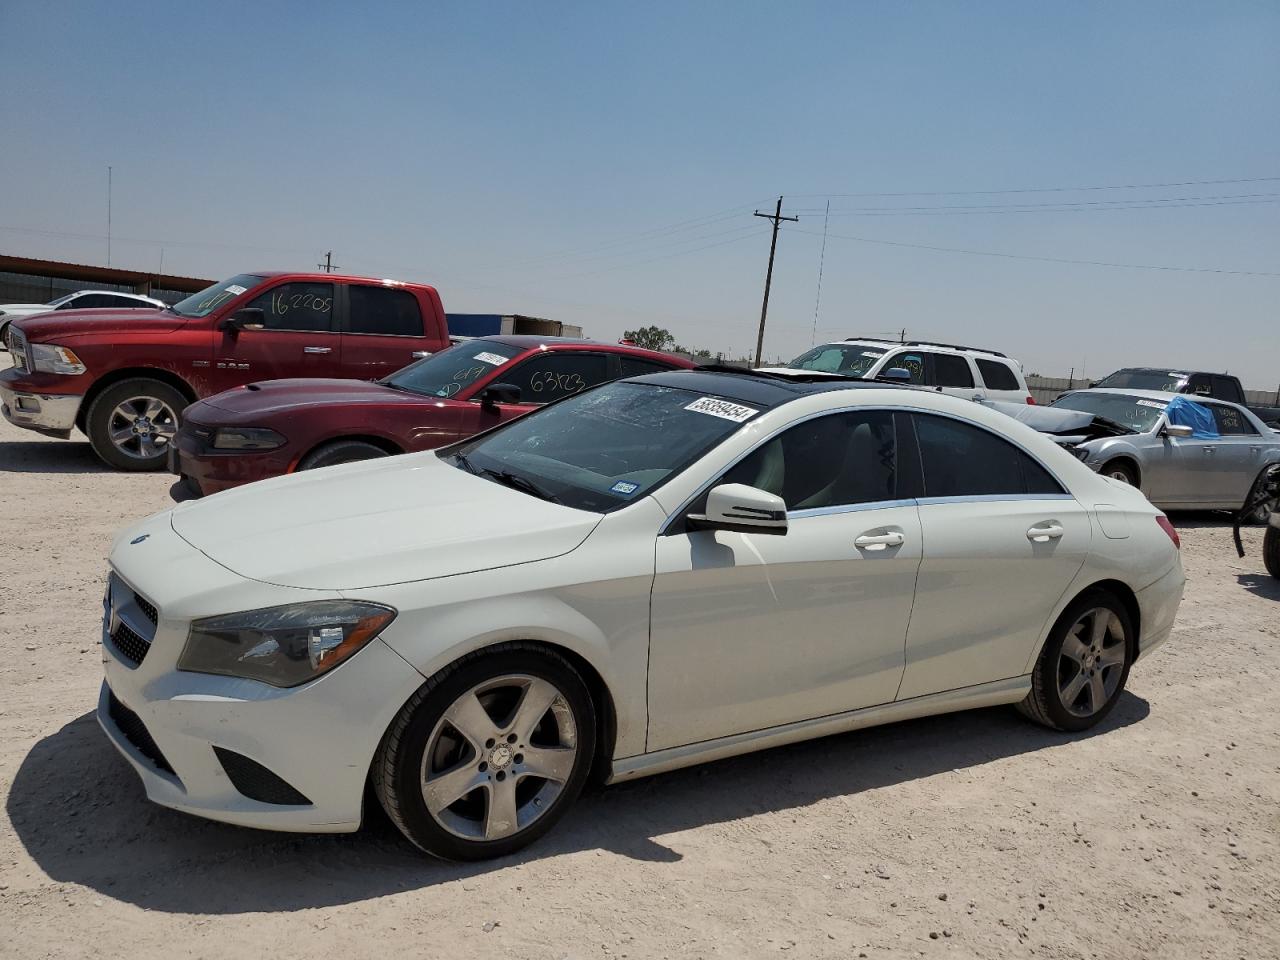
(123, 377)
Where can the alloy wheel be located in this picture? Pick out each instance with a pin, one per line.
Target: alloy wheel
(142, 427)
(1092, 662)
(499, 756)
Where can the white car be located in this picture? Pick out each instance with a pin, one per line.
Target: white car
(653, 573)
(80, 300)
(960, 371)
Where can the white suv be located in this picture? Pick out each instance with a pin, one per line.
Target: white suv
(960, 371)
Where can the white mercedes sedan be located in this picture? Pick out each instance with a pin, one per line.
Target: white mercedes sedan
(653, 573)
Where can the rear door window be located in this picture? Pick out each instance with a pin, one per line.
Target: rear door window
(1225, 388)
(951, 370)
(997, 375)
(382, 310)
(963, 460)
(550, 376)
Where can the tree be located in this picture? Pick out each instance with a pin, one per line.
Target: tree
(651, 338)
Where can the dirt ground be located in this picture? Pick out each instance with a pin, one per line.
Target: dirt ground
(972, 835)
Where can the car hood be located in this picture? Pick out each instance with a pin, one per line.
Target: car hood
(23, 309)
(275, 396)
(377, 522)
(65, 324)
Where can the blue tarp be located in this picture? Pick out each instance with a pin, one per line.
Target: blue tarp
(1186, 412)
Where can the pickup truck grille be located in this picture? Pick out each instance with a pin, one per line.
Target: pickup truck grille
(128, 622)
(18, 350)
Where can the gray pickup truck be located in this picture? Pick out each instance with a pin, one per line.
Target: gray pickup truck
(1219, 386)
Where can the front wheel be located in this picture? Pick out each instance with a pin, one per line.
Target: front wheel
(1084, 664)
(340, 451)
(1271, 550)
(1122, 471)
(488, 754)
(132, 423)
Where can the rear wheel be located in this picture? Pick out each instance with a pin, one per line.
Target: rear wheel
(489, 753)
(1271, 551)
(1084, 665)
(1121, 470)
(132, 423)
(340, 451)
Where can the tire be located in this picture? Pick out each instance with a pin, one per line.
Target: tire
(131, 423)
(1261, 514)
(1059, 698)
(4, 336)
(1271, 551)
(479, 760)
(340, 451)
(1121, 470)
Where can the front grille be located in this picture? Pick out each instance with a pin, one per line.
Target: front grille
(147, 607)
(135, 731)
(18, 349)
(131, 646)
(257, 782)
(129, 621)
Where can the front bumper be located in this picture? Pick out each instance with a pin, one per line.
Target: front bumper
(191, 456)
(1158, 604)
(318, 738)
(48, 413)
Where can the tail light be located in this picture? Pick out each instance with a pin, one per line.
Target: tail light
(1031, 401)
(1167, 527)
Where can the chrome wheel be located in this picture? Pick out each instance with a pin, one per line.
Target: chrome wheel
(142, 427)
(1091, 666)
(1121, 474)
(499, 757)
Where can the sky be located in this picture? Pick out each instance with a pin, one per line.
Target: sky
(599, 163)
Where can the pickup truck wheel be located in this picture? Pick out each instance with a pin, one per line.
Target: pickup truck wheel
(1119, 470)
(340, 451)
(488, 754)
(131, 423)
(1271, 550)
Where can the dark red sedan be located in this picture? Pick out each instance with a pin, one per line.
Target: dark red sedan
(279, 426)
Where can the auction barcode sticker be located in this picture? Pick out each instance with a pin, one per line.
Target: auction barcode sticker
(496, 359)
(1151, 403)
(723, 409)
(236, 289)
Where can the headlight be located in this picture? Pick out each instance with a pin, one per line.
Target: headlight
(51, 358)
(283, 646)
(246, 438)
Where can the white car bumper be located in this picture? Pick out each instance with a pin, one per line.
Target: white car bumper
(1158, 604)
(315, 741)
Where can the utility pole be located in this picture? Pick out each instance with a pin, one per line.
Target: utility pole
(777, 219)
(108, 216)
(327, 266)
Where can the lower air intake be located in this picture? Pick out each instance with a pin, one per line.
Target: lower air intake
(257, 782)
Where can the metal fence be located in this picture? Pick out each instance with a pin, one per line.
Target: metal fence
(1046, 389)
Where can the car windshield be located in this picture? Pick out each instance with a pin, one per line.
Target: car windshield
(1169, 380)
(211, 298)
(1134, 413)
(848, 359)
(451, 371)
(604, 448)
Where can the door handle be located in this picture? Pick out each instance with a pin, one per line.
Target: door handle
(421, 354)
(317, 349)
(879, 541)
(1044, 532)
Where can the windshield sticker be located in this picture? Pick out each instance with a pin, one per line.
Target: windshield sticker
(235, 289)
(624, 488)
(1151, 403)
(495, 359)
(723, 409)
(873, 356)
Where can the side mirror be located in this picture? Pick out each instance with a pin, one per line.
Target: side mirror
(246, 318)
(498, 393)
(742, 509)
(900, 374)
(1177, 430)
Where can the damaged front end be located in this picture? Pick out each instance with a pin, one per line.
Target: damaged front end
(1067, 428)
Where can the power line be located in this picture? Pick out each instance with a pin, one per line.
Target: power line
(1019, 256)
(822, 259)
(973, 193)
(1065, 207)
